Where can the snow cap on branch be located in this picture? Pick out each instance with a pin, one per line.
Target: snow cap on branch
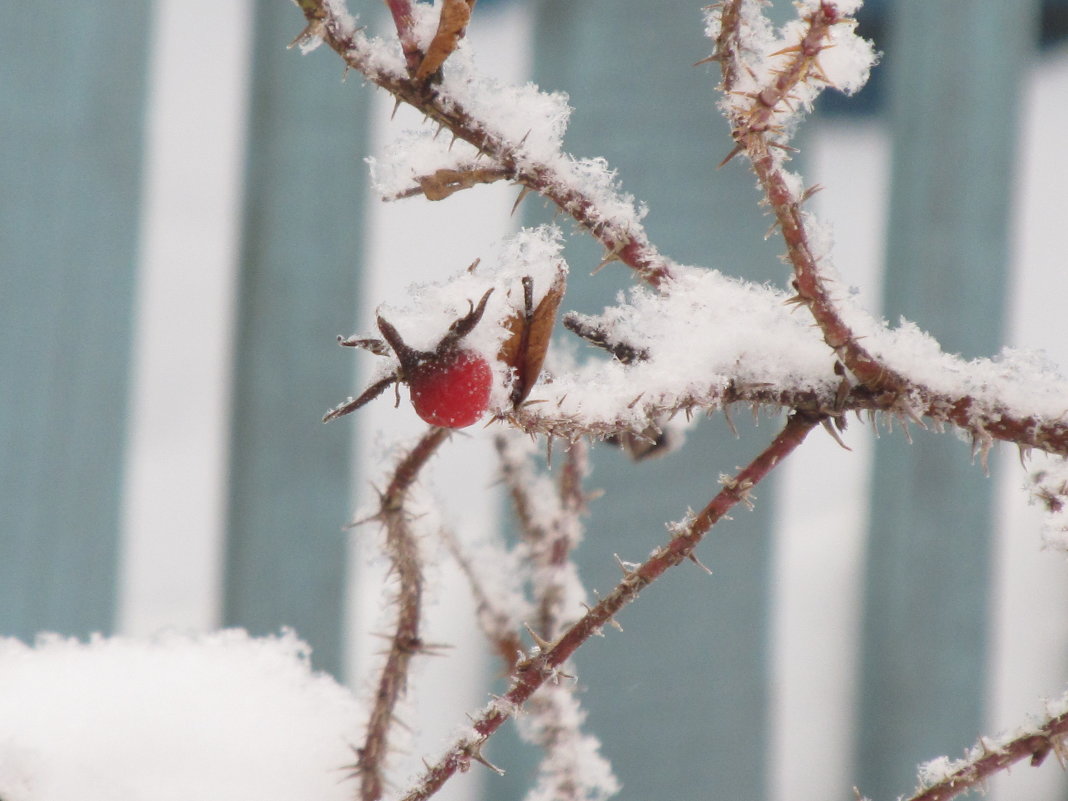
(701, 333)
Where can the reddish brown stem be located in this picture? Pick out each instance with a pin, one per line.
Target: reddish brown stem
(1035, 745)
(751, 131)
(532, 672)
(405, 23)
(628, 244)
(885, 388)
(406, 641)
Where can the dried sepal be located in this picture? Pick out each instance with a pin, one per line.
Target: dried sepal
(376, 346)
(368, 395)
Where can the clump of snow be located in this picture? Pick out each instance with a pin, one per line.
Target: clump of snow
(533, 120)
(223, 715)
(701, 332)
(1016, 382)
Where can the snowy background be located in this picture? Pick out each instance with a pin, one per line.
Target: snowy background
(157, 711)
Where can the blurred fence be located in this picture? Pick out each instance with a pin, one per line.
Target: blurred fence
(72, 176)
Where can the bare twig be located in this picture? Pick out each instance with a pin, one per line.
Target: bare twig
(543, 665)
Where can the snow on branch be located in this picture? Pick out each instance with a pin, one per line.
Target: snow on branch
(943, 778)
(769, 79)
(905, 371)
(543, 664)
(687, 340)
(516, 129)
(406, 640)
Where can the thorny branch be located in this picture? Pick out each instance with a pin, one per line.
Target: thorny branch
(406, 641)
(627, 244)
(874, 385)
(886, 388)
(881, 388)
(752, 132)
(543, 664)
(991, 758)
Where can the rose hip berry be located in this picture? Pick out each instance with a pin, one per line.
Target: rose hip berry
(449, 386)
(453, 391)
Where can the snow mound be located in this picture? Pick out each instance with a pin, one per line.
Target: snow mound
(218, 716)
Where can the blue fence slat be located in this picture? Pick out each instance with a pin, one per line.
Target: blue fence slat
(70, 179)
(679, 701)
(955, 80)
(290, 476)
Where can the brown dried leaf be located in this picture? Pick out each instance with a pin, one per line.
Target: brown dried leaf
(531, 329)
(444, 182)
(455, 15)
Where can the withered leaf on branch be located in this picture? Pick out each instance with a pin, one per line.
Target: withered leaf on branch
(444, 182)
(530, 330)
(455, 15)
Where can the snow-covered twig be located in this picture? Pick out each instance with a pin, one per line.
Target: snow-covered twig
(549, 523)
(572, 768)
(406, 641)
(543, 665)
(1049, 487)
(762, 103)
(499, 612)
(942, 779)
(608, 216)
(758, 131)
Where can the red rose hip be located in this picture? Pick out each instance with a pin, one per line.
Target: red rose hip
(453, 390)
(450, 385)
